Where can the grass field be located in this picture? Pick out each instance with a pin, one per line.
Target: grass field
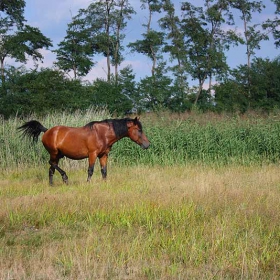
(185, 222)
(207, 216)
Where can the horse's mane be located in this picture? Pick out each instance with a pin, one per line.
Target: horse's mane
(119, 125)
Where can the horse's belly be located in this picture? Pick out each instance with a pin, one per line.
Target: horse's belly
(74, 154)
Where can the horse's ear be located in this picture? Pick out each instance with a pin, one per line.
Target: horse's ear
(130, 123)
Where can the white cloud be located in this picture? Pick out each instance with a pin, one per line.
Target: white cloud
(140, 68)
(98, 71)
(47, 62)
(53, 12)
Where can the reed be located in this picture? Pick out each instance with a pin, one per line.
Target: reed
(190, 140)
(175, 140)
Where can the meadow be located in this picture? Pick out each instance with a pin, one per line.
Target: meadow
(201, 202)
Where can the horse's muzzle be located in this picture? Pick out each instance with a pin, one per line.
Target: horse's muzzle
(145, 145)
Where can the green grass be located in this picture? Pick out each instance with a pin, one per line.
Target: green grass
(201, 203)
(174, 140)
(153, 223)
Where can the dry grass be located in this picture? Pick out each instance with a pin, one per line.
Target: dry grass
(180, 222)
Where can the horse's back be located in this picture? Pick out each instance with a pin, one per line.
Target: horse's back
(69, 141)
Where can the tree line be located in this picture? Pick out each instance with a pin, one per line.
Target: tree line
(193, 38)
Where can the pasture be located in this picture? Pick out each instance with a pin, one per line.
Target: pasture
(202, 202)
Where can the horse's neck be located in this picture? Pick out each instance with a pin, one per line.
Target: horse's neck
(112, 138)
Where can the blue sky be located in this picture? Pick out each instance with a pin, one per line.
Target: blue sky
(52, 17)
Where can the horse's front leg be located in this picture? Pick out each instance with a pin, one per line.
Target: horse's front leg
(91, 161)
(103, 163)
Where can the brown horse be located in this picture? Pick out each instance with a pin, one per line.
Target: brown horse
(93, 140)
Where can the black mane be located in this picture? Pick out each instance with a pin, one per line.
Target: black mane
(119, 125)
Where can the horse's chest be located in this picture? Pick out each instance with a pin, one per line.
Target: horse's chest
(104, 150)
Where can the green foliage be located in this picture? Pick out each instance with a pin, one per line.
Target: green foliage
(13, 10)
(234, 94)
(224, 142)
(26, 42)
(103, 22)
(204, 41)
(230, 97)
(18, 41)
(272, 24)
(149, 45)
(265, 90)
(111, 95)
(44, 90)
(152, 43)
(173, 140)
(155, 91)
(41, 92)
(75, 52)
(195, 41)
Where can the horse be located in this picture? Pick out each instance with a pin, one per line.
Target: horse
(93, 140)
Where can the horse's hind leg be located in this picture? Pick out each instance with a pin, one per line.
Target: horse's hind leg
(54, 166)
(51, 172)
(62, 172)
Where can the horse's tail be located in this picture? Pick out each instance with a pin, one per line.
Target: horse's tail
(32, 129)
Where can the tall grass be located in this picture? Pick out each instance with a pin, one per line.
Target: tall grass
(179, 140)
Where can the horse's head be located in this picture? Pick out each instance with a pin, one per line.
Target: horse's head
(136, 134)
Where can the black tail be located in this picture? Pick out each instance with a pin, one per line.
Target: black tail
(32, 129)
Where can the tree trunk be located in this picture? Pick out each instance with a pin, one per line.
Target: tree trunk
(248, 52)
(151, 47)
(2, 72)
(108, 40)
(3, 76)
(201, 82)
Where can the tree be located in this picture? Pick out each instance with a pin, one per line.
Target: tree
(205, 41)
(110, 95)
(122, 13)
(128, 88)
(41, 91)
(230, 96)
(75, 52)
(12, 12)
(18, 41)
(272, 25)
(155, 91)
(265, 77)
(233, 95)
(104, 20)
(252, 36)
(175, 44)
(23, 43)
(152, 42)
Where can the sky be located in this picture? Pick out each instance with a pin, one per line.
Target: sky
(52, 17)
